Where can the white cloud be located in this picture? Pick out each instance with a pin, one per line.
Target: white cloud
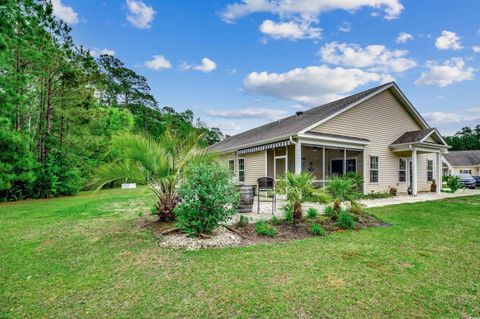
(375, 57)
(448, 41)
(206, 66)
(441, 97)
(345, 27)
(226, 125)
(440, 118)
(141, 15)
(476, 48)
(98, 52)
(249, 113)
(157, 63)
(309, 86)
(307, 10)
(403, 37)
(446, 73)
(64, 12)
(289, 30)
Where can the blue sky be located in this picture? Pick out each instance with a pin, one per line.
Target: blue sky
(239, 64)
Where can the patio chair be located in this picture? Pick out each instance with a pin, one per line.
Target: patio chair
(266, 185)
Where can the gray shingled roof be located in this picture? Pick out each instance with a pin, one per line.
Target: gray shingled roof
(291, 125)
(463, 158)
(413, 136)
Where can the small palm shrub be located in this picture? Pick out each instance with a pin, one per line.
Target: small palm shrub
(345, 221)
(297, 187)
(242, 221)
(317, 230)
(265, 229)
(312, 213)
(275, 220)
(453, 182)
(328, 211)
(342, 189)
(208, 198)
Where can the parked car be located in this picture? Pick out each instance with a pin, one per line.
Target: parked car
(466, 180)
(477, 179)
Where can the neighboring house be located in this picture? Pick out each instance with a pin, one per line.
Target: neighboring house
(376, 133)
(458, 162)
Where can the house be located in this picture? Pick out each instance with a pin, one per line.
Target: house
(459, 162)
(376, 133)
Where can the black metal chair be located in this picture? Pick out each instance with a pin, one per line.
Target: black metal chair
(266, 185)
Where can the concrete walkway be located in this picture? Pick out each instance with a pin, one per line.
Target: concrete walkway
(266, 208)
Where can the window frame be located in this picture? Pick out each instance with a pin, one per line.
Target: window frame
(466, 171)
(241, 177)
(404, 170)
(230, 166)
(429, 171)
(377, 170)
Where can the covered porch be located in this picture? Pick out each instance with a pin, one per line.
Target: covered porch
(322, 155)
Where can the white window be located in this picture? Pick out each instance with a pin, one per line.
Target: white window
(231, 165)
(429, 170)
(402, 170)
(241, 170)
(373, 169)
(466, 171)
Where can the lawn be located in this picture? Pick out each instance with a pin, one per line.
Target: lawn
(86, 257)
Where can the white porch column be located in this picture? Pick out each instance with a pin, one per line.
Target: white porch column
(414, 171)
(323, 166)
(439, 172)
(344, 161)
(298, 157)
(266, 163)
(364, 170)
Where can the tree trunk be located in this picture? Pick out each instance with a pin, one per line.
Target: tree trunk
(297, 211)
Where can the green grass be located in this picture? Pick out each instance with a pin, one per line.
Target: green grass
(86, 257)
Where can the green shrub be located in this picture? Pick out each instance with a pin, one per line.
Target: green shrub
(345, 221)
(243, 221)
(453, 182)
(275, 220)
(375, 195)
(357, 180)
(288, 213)
(318, 196)
(208, 197)
(312, 213)
(265, 229)
(357, 208)
(317, 230)
(328, 211)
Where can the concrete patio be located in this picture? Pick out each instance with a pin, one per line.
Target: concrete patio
(266, 208)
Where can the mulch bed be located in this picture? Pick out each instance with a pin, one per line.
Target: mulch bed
(235, 235)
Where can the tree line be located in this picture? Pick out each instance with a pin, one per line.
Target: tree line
(465, 139)
(60, 107)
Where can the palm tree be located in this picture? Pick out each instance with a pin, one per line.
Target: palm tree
(296, 187)
(158, 163)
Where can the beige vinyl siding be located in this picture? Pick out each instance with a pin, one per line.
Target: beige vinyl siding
(475, 170)
(380, 119)
(224, 158)
(254, 167)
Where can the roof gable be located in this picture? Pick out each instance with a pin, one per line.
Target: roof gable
(291, 125)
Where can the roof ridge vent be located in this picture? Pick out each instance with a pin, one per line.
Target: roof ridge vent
(298, 113)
